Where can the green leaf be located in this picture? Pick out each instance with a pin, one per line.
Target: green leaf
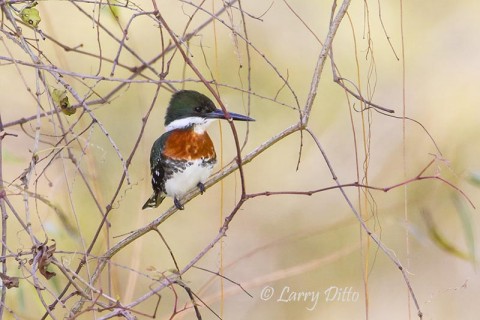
(30, 16)
(113, 9)
(440, 240)
(61, 99)
(467, 224)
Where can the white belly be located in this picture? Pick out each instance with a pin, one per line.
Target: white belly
(182, 182)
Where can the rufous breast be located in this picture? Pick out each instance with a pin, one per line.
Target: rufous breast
(186, 144)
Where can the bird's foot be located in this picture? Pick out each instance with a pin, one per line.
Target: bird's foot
(178, 204)
(201, 186)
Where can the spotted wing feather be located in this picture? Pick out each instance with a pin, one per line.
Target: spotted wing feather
(158, 173)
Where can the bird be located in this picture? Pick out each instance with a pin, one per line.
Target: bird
(183, 157)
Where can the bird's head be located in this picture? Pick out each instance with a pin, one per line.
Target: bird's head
(190, 108)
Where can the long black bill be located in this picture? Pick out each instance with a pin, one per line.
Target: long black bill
(218, 114)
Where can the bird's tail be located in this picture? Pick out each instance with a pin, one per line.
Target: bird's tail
(154, 201)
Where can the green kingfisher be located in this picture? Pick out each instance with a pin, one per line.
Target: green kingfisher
(184, 156)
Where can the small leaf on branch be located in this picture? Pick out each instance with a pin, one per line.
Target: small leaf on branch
(44, 254)
(9, 282)
(30, 16)
(61, 99)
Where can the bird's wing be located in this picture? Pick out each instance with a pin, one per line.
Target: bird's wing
(156, 163)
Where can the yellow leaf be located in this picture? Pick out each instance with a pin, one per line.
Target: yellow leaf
(30, 16)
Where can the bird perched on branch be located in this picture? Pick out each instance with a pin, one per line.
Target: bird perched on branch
(184, 156)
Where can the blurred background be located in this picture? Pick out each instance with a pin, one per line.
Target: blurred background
(299, 256)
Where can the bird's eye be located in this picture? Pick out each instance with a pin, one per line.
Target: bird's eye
(199, 109)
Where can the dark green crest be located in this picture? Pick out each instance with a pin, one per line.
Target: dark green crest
(188, 103)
